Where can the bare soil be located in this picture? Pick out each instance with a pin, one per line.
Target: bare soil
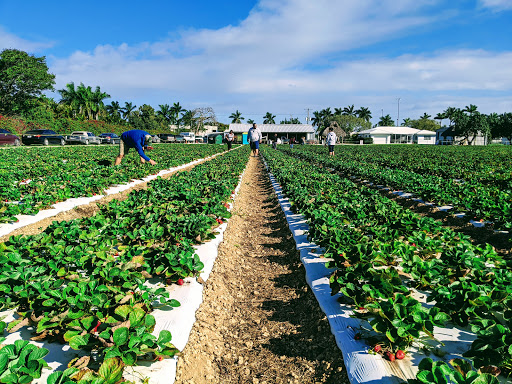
(259, 321)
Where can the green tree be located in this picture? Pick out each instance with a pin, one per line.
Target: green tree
(349, 111)
(364, 113)
(470, 123)
(386, 121)
(164, 113)
(114, 112)
(250, 121)
(440, 116)
(23, 78)
(424, 124)
(503, 126)
(269, 118)
(127, 110)
(348, 124)
(177, 112)
(425, 116)
(145, 118)
(407, 122)
(236, 117)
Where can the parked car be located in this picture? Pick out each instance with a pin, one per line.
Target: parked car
(179, 139)
(155, 139)
(189, 137)
(42, 136)
(83, 137)
(109, 138)
(7, 137)
(166, 137)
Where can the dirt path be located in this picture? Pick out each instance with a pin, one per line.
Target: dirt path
(259, 322)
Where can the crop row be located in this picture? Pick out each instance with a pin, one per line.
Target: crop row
(486, 201)
(82, 282)
(488, 165)
(380, 251)
(32, 179)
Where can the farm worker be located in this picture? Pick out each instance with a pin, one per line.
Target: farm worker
(137, 139)
(230, 137)
(274, 143)
(330, 141)
(254, 136)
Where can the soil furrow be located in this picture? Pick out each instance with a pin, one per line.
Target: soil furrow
(259, 321)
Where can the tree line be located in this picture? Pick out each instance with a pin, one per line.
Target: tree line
(24, 78)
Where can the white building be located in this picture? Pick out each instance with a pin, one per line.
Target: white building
(399, 135)
(281, 130)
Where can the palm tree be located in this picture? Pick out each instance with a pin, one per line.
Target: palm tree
(164, 112)
(70, 97)
(440, 116)
(386, 121)
(188, 118)
(364, 113)
(176, 109)
(425, 116)
(407, 122)
(338, 111)
(250, 121)
(450, 113)
(127, 110)
(471, 109)
(236, 117)
(269, 118)
(349, 110)
(316, 121)
(97, 104)
(114, 111)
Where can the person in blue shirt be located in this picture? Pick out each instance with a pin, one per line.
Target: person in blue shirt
(137, 139)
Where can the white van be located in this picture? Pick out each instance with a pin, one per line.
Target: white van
(189, 137)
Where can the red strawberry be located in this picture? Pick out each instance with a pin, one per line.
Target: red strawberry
(390, 356)
(160, 358)
(95, 329)
(399, 354)
(377, 348)
(180, 282)
(413, 244)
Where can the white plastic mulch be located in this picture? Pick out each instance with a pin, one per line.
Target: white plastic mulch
(74, 202)
(362, 367)
(179, 321)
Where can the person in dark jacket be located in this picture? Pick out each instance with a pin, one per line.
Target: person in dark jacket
(137, 139)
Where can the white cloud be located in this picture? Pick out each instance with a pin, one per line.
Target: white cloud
(497, 5)
(10, 41)
(264, 64)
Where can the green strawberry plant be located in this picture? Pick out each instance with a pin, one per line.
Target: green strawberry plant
(458, 371)
(21, 362)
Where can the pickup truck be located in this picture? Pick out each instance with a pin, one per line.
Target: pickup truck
(189, 137)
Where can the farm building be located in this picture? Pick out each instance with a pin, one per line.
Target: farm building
(447, 136)
(399, 135)
(281, 130)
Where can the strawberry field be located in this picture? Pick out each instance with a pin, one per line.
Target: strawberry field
(411, 281)
(32, 179)
(474, 180)
(85, 283)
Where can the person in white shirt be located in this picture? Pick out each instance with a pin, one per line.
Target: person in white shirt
(254, 137)
(230, 137)
(331, 141)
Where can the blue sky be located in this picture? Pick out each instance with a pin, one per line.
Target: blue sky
(276, 56)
